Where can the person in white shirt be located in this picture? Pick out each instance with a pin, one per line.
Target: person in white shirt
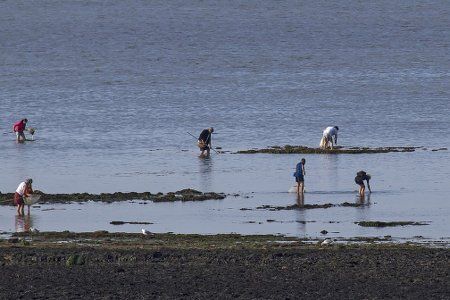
(24, 189)
(327, 137)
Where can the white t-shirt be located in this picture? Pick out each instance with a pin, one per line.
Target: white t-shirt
(330, 131)
(21, 189)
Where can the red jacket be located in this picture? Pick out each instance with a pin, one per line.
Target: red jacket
(19, 126)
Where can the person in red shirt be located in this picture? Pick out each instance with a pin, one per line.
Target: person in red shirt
(19, 128)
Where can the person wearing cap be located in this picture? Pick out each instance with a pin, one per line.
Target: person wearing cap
(204, 141)
(19, 128)
(327, 137)
(24, 189)
(359, 179)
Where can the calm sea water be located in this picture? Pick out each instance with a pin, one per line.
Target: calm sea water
(113, 87)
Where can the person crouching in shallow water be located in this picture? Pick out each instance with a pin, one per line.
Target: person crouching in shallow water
(204, 141)
(300, 176)
(23, 190)
(19, 128)
(359, 179)
(327, 137)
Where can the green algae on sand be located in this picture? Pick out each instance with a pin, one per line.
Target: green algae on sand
(289, 149)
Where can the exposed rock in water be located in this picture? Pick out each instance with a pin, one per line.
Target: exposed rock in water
(289, 149)
(132, 222)
(183, 195)
(388, 224)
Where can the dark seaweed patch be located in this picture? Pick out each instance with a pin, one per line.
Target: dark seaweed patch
(306, 206)
(289, 149)
(388, 224)
(182, 195)
(132, 222)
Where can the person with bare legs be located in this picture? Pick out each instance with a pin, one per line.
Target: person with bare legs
(327, 137)
(23, 190)
(300, 176)
(204, 141)
(359, 179)
(300, 200)
(19, 128)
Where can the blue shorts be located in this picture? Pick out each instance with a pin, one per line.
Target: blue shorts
(299, 179)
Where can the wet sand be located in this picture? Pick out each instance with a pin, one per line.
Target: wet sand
(220, 266)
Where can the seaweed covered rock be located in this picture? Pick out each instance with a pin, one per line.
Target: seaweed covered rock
(388, 224)
(182, 195)
(289, 149)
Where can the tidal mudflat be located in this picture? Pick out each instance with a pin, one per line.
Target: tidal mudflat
(102, 264)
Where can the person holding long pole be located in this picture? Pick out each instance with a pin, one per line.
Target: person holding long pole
(204, 141)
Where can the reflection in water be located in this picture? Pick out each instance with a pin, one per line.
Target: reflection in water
(363, 211)
(331, 163)
(301, 218)
(328, 168)
(23, 223)
(363, 200)
(300, 199)
(206, 170)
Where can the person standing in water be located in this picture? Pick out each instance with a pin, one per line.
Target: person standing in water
(300, 176)
(23, 190)
(327, 137)
(204, 141)
(359, 179)
(19, 128)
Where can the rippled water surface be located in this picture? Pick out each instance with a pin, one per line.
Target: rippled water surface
(113, 87)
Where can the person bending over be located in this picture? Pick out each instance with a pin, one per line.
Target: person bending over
(204, 141)
(359, 179)
(327, 137)
(19, 128)
(23, 190)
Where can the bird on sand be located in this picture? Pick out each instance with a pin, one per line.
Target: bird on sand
(145, 232)
(34, 230)
(327, 242)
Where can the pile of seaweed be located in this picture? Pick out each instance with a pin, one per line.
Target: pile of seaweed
(288, 149)
(183, 195)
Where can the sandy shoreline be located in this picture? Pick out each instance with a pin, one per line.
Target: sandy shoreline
(101, 264)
